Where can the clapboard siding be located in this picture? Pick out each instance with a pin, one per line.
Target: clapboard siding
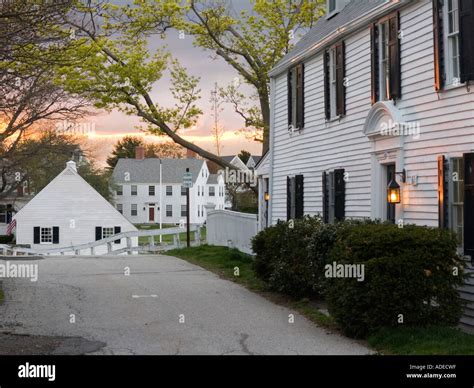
(446, 124)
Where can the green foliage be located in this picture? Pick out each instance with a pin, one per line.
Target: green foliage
(409, 275)
(244, 156)
(6, 239)
(124, 149)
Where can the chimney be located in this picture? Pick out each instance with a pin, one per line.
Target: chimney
(190, 154)
(139, 152)
(72, 165)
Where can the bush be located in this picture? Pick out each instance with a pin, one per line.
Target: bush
(6, 239)
(408, 271)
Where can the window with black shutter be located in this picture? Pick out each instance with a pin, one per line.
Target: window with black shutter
(36, 235)
(438, 36)
(443, 172)
(385, 58)
(469, 205)
(296, 97)
(55, 234)
(299, 196)
(98, 233)
(339, 195)
(334, 82)
(117, 230)
(325, 198)
(295, 197)
(289, 198)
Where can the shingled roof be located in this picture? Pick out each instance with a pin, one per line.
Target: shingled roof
(325, 27)
(148, 170)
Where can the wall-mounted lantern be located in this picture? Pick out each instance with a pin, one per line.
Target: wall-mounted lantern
(393, 189)
(266, 196)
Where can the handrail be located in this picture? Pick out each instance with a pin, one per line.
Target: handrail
(109, 240)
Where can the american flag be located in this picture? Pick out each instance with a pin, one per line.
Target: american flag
(11, 226)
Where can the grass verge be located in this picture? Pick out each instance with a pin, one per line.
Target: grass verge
(395, 341)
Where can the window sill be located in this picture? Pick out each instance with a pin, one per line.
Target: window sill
(447, 88)
(334, 119)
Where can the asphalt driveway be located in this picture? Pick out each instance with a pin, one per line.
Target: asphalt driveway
(165, 306)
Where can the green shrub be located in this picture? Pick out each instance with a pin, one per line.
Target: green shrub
(6, 239)
(408, 273)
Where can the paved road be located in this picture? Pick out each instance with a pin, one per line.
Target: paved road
(140, 313)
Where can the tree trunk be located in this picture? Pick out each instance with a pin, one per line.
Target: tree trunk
(265, 108)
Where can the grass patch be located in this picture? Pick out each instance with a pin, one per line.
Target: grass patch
(222, 261)
(432, 340)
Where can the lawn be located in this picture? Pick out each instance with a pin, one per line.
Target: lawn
(167, 238)
(395, 341)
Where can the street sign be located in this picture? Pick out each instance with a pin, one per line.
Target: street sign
(188, 180)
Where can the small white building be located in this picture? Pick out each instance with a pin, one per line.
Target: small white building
(139, 190)
(69, 212)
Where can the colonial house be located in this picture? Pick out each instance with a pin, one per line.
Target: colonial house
(262, 169)
(139, 190)
(372, 115)
(69, 212)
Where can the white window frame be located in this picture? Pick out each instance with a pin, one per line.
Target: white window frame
(384, 61)
(132, 210)
(46, 235)
(108, 232)
(212, 191)
(132, 191)
(332, 82)
(120, 208)
(184, 212)
(452, 62)
(151, 190)
(169, 193)
(169, 211)
(454, 204)
(119, 190)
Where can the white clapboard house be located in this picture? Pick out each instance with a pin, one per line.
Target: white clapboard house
(379, 92)
(139, 190)
(69, 212)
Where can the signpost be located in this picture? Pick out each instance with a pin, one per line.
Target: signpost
(187, 183)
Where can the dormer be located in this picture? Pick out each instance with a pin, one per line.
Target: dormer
(333, 7)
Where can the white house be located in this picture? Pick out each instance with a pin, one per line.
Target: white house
(377, 92)
(139, 190)
(262, 169)
(69, 212)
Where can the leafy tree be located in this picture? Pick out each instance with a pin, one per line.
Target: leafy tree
(244, 156)
(252, 43)
(165, 150)
(124, 149)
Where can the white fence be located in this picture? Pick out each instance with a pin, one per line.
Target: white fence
(232, 229)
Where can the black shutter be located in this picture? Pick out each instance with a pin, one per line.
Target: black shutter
(327, 87)
(325, 198)
(36, 235)
(469, 205)
(339, 195)
(394, 57)
(55, 234)
(442, 192)
(117, 229)
(340, 76)
(288, 198)
(466, 39)
(290, 98)
(98, 233)
(299, 196)
(438, 44)
(374, 52)
(300, 96)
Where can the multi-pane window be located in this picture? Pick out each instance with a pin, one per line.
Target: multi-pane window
(296, 97)
(184, 211)
(169, 191)
(133, 189)
(107, 232)
(46, 235)
(5, 210)
(457, 198)
(212, 191)
(120, 208)
(169, 210)
(384, 64)
(151, 190)
(183, 190)
(134, 210)
(452, 42)
(331, 6)
(119, 190)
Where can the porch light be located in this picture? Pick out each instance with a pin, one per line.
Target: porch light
(266, 196)
(393, 192)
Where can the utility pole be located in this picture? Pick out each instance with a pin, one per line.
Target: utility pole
(188, 237)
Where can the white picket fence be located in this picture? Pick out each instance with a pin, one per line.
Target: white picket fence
(90, 248)
(231, 229)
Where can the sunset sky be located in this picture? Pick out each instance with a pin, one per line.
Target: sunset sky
(109, 127)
